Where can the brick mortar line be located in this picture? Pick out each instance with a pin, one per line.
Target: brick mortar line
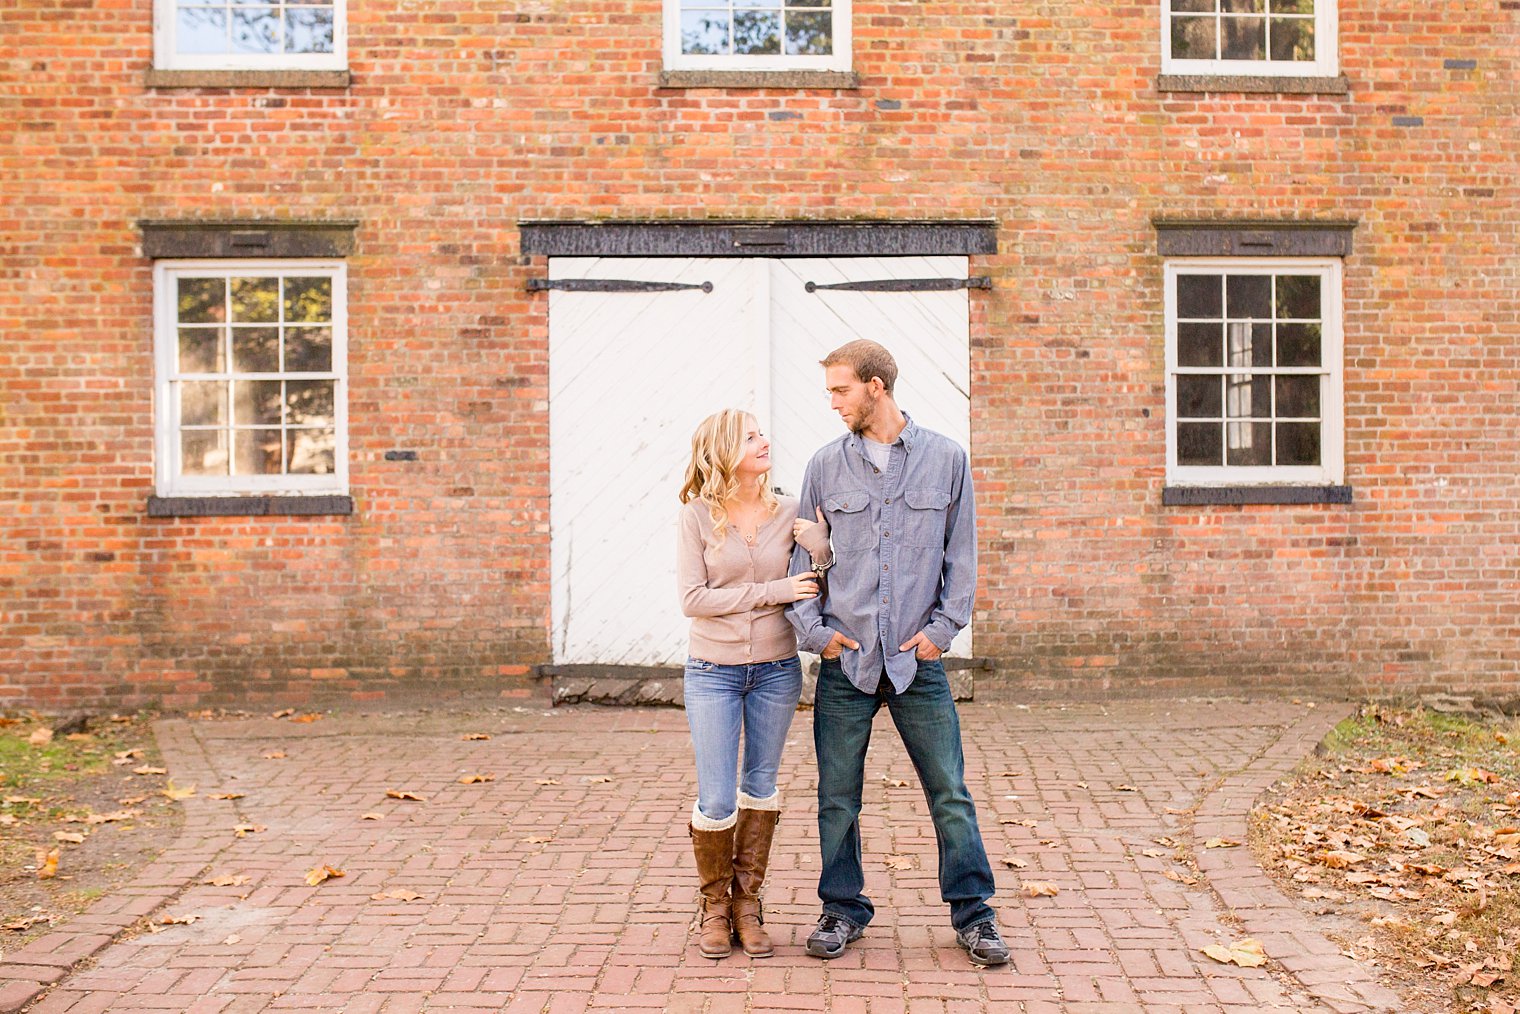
(1245, 891)
(47, 961)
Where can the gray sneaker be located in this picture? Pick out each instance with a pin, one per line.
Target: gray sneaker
(832, 936)
(981, 941)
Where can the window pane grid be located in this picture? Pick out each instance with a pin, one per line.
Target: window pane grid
(1235, 402)
(757, 28)
(271, 421)
(254, 27)
(1279, 31)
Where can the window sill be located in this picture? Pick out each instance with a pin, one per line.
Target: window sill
(246, 506)
(1191, 496)
(1259, 84)
(247, 79)
(836, 79)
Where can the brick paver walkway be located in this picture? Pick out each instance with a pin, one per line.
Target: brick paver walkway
(565, 884)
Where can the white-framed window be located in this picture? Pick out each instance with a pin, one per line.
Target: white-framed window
(250, 34)
(1254, 375)
(251, 362)
(1279, 38)
(757, 35)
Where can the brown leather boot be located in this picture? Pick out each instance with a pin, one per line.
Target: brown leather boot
(752, 854)
(714, 851)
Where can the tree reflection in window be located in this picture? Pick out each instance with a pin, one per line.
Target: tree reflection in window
(271, 411)
(757, 28)
(254, 27)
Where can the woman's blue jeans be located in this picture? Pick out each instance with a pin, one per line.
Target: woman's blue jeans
(926, 720)
(758, 697)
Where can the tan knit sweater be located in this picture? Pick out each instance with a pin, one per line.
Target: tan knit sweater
(734, 593)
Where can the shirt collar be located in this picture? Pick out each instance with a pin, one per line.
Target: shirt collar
(908, 437)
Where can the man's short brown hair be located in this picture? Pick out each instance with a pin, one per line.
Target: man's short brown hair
(867, 359)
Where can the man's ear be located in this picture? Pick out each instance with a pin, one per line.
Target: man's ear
(876, 385)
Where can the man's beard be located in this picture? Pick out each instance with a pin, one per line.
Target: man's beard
(865, 416)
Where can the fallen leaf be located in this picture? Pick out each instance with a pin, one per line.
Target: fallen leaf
(1245, 953)
(312, 717)
(177, 920)
(126, 755)
(538, 839)
(173, 792)
(1220, 843)
(226, 880)
(1340, 859)
(68, 837)
(47, 864)
(283, 713)
(7, 820)
(275, 755)
(149, 770)
(599, 779)
(1010, 774)
(1472, 776)
(244, 830)
(1081, 785)
(404, 794)
(1426, 869)
(399, 894)
(372, 816)
(132, 800)
(227, 795)
(40, 737)
(1174, 875)
(1155, 853)
(546, 781)
(1013, 863)
(899, 862)
(474, 736)
(1038, 889)
(1126, 788)
(21, 801)
(476, 779)
(110, 818)
(321, 873)
(1484, 980)
(1017, 821)
(894, 783)
(232, 939)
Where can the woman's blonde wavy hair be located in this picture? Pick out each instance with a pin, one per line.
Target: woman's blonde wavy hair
(717, 447)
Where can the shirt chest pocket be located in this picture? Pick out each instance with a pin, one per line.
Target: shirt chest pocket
(923, 522)
(850, 526)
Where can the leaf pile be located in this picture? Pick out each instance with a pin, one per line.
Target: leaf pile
(1411, 822)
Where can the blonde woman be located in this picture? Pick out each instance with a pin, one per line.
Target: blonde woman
(734, 543)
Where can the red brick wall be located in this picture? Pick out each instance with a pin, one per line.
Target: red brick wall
(465, 118)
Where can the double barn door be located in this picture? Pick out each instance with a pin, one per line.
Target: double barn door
(641, 350)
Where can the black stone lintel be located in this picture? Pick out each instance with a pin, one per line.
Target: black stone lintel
(247, 79)
(791, 79)
(246, 506)
(246, 238)
(745, 238)
(1192, 238)
(1253, 84)
(1188, 496)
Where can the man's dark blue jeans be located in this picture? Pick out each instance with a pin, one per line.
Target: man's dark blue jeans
(931, 730)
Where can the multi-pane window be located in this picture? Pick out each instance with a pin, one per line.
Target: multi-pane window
(1253, 371)
(251, 367)
(1271, 37)
(757, 34)
(250, 34)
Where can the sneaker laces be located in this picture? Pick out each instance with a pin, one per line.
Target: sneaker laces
(829, 923)
(985, 932)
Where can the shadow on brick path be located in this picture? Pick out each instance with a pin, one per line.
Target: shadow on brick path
(565, 882)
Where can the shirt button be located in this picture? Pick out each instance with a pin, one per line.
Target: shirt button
(885, 567)
(883, 600)
(887, 500)
(886, 535)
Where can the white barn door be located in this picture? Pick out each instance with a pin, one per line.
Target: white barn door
(631, 373)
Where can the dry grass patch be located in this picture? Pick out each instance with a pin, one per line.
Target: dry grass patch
(1409, 823)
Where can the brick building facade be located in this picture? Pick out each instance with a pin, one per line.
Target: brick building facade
(1123, 201)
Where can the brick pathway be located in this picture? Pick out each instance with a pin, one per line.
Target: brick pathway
(565, 884)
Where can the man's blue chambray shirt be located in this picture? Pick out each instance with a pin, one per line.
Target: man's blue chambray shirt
(904, 551)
